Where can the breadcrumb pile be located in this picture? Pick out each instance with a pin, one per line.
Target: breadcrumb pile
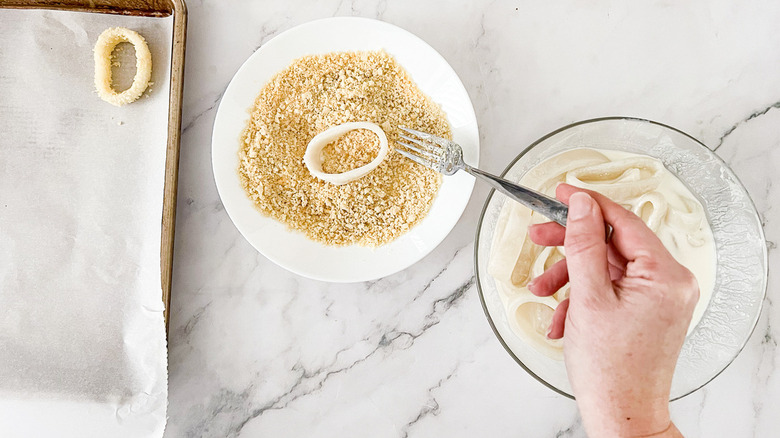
(308, 97)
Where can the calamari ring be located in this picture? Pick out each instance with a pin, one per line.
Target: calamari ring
(105, 44)
(659, 207)
(619, 180)
(529, 318)
(313, 156)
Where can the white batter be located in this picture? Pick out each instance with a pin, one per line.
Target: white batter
(639, 183)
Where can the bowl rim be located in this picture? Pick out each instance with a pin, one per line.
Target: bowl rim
(597, 120)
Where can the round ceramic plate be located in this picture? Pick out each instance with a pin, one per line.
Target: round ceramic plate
(292, 250)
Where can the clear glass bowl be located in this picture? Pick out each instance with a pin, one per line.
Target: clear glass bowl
(741, 273)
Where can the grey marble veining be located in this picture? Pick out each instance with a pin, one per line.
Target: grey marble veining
(257, 351)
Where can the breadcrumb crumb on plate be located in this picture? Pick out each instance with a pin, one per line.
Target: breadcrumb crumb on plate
(293, 250)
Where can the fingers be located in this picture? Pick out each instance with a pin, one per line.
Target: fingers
(617, 263)
(547, 234)
(630, 236)
(558, 320)
(586, 251)
(554, 278)
(552, 234)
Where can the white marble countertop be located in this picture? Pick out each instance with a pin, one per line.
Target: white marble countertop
(257, 351)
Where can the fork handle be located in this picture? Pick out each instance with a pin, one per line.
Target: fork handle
(551, 208)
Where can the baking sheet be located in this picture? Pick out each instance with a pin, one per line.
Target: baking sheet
(82, 334)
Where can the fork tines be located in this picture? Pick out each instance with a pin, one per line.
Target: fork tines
(425, 150)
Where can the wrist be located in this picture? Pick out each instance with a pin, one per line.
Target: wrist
(627, 420)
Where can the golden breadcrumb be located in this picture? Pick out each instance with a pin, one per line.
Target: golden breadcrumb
(308, 97)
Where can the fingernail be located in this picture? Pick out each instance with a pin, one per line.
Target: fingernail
(580, 206)
(549, 331)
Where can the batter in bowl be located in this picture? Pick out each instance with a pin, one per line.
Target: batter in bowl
(638, 182)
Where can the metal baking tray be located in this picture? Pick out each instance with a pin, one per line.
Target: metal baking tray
(150, 8)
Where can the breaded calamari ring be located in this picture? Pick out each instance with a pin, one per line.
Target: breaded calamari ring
(105, 44)
(312, 158)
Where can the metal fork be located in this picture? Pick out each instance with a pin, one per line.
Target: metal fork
(446, 157)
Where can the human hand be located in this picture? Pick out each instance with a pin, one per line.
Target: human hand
(629, 307)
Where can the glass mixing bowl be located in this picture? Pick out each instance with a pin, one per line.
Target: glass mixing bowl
(741, 272)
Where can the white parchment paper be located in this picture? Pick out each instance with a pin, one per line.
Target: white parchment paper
(82, 338)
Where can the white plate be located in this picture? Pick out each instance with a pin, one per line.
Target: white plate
(292, 250)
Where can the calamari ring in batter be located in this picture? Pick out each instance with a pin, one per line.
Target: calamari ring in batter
(106, 43)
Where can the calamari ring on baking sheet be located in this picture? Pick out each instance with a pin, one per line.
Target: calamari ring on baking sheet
(313, 156)
(105, 44)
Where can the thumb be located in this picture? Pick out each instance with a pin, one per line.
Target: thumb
(586, 250)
